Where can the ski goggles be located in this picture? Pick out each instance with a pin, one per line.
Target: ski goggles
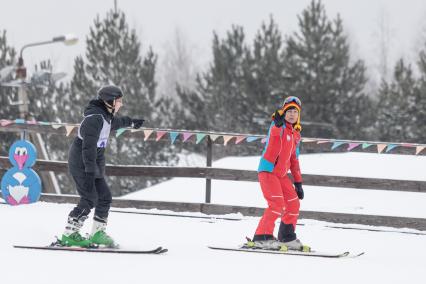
(292, 99)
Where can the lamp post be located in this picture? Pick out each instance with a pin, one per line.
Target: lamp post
(21, 70)
(21, 75)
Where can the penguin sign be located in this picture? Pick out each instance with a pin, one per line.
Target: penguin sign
(21, 184)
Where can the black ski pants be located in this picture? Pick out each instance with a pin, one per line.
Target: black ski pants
(98, 197)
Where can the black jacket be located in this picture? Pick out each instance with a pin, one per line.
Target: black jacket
(86, 153)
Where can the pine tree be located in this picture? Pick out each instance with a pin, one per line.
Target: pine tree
(329, 85)
(398, 112)
(267, 78)
(243, 85)
(420, 102)
(7, 58)
(113, 57)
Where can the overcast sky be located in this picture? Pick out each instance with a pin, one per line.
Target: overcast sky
(156, 20)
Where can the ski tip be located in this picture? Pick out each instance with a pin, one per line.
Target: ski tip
(163, 250)
(358, 254)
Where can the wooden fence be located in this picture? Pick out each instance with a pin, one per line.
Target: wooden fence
(210, 173)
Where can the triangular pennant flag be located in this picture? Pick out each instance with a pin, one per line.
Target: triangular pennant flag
(69, 129)
(120, 131)
(200, 137)
(56, 126)
(366, 145)
(263, 141)
(226, 139)
(322, 141)
(390, 147)
(147, 133)
(252, 138)
(240, 139)
(20, 121)
(160, 135)
(43, 123)
(31, 121)
(214, 137)
(136, 130)
(187, 135)
(407, 145)
(4, 122)
(419, 149)
(173, 136)
(352, 146)
(307, 140)
(336, 144)
(381, 147)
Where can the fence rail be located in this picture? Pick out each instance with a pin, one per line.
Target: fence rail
(218, 209)
(235, 175)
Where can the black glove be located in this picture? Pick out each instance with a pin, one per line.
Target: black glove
(299, 189)
(89, 181)
(137, 123)
(278, 119)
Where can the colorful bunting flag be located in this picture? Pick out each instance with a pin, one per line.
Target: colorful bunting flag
(322, 141)
(252, 138)
(419, 149)
(307, 140)
(226, 139)
(173, 136)
(147, 133)
(43, 123)
(381, 147)
(200, 137)
(366, 145)
(120, 131)
(56, 126)
(337, 144)
(352, 146)
(20, 121)
(32, 122)
(214, 137)
(187, 135)
(390, 147)
(160, 135)
(4, 122)
(239, 139)
(69, 129)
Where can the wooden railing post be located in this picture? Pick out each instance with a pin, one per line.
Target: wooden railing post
(209, 164)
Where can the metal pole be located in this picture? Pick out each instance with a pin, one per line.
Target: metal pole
(209, 164)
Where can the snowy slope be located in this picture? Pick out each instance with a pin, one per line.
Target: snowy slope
(390, 257)
(342, 200)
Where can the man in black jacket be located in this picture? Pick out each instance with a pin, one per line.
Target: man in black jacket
(87, 166)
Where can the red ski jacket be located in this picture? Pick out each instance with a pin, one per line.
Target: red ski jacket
(281, 152)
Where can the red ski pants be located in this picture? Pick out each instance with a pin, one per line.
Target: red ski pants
(282, 202)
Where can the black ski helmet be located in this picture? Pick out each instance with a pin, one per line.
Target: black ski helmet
(109, 93)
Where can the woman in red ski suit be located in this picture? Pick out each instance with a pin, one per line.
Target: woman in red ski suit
(279, 156)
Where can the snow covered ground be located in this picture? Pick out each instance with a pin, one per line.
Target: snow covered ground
(391, 257)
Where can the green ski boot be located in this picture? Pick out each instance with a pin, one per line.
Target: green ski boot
(74, 240)
(101, 238)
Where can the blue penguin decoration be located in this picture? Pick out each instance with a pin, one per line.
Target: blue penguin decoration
(21, 184)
